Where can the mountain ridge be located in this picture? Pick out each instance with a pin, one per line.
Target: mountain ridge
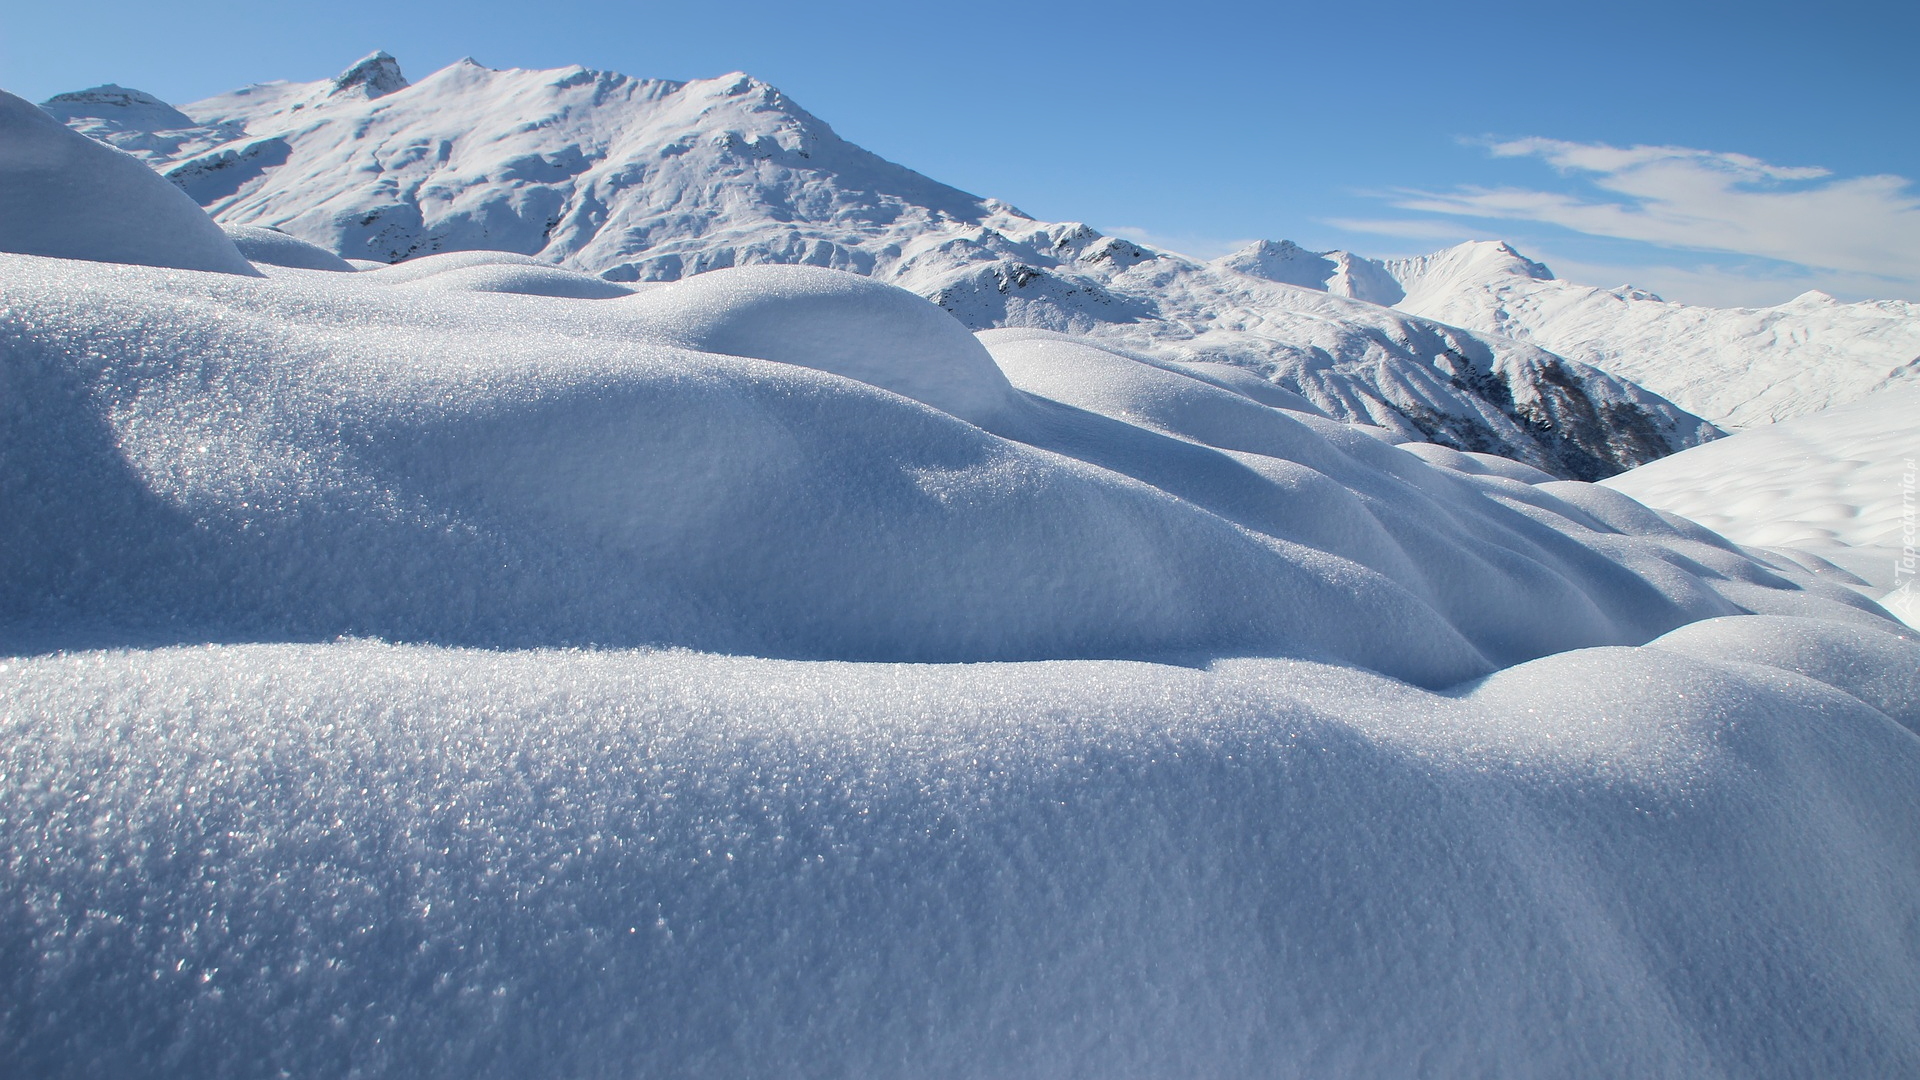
(637, 180)
(1734, 366)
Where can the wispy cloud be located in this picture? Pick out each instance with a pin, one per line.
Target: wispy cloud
(1407, 228)
(1702, 200)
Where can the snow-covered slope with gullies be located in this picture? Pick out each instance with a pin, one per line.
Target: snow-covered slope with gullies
(1735, 366)
(648, 180)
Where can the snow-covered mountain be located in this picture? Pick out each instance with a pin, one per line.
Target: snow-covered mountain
(650, 180)
(473, 669)
(1735, 366)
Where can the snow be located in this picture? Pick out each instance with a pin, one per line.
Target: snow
(474, 667)
(119, 107)
(1737, 367)
(696, 464)
(1337, 272)
(361, 858)
(65, 195)
(527, 280)
(1836, 485)
(275, 248)
(376, 75)
(637, 180)
(836, 322)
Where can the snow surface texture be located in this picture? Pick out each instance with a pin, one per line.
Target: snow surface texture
(1312, 754)
(373, 860)
(63, 194)
(1838, 485)
(1736, 366)
(647, 180)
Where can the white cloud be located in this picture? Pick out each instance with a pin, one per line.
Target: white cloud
(1864, 227)
(1601, 158)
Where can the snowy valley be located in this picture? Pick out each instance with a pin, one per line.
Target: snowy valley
(545, 573)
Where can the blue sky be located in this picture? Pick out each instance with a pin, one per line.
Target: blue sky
(1714, 152)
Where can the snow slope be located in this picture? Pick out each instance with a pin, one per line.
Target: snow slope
(1738, 367)
(647, 180)
(1838, 485)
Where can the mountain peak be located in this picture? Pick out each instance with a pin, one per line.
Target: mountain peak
(1267, 259)
(105, 94)
(1501, 254)
(1278, 249)
(114, 102)
(1338, 272)
(378, 71)
(1815, 296)
(739, 86)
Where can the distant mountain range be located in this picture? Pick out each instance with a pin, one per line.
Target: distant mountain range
(1734, 366)
(644, 180)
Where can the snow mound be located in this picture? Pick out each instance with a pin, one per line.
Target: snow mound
(65, 195)
(830, 321)
(526, 280)
(1476, 464)
(1485, 547)
(1882, 670)
(362, 859)
(358, 453)
(275, 248)
(427, 266)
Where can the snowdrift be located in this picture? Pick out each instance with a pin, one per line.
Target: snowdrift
(1280, 749)
(275, 248)
(66, 195)
(340, 454)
